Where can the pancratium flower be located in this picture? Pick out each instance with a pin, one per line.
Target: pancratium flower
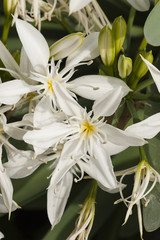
(144, 175)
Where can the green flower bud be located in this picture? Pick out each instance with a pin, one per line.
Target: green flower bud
(67, 45)
(139, 66)
(124, 66)
(106, 46)
(119, 32)
(9, 6)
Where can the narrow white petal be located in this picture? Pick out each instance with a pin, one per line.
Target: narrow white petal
(88, 50)
(12, 91)
(101, 169)
(57, 197)
(21, 163)
(147, 128)
(34, 44)
(95, 86)
(140, 5)
(9, 61)
(108, 103)
(77, 5)
(47, 136)
(120, 137)
(67, 103)
(43, 114)
(6, 186)
(3, 208)
(154, 72)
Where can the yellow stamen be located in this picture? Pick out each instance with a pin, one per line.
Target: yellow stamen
(87, 128)
(50, 88)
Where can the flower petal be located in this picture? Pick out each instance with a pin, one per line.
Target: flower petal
(77, 5)
(11, 92)
(154, 72)
(88, 50)
(147, 128)
(57, 197)
(140, 5)
(34, 44)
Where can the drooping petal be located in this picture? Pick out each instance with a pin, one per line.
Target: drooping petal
(34, 44)
(67, 103)
(88, 50)
(3, 208)
(77, 5)
(154, 72)
(147, 128)
(21, 163)
(10, 62)
(140, 5)
(57, 197)
(101, 169)
(11, 92)
(43, 114)
(108, 103)
(6, 186)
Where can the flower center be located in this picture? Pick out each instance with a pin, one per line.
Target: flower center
(87, 128)
(50, 87)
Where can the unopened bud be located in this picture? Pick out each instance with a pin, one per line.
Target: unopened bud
(106, 46)
(9, 6)
(119, 32)
(124, 66)
(139, 67)
(67, 45)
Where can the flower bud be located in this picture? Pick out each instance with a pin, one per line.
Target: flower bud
(119, 32)
(9, 6)
(124, 66)
(106, 46)
(139, 67)
(67, 45)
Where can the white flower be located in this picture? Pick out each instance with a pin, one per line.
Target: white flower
(154, 72)
(77, 5)
(140, 5)
(144, 173)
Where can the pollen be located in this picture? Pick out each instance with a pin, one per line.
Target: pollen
(50, 88)
(87, 128)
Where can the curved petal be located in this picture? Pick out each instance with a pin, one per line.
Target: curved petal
(9, 62)
(67, 103)
(47, 136)
(140, 5)
(57, 197)
(120, 137)
(154, 72)
(87, 51)
(43, 114)
(95, 86)
(77, 5)
(11, 92)
(147, 128)
(34, 44)
(101, 169)
(108, 103)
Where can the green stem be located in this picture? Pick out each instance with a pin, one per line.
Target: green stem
(6, 28)
(129, 28)
(144, 84)
(143, 44)
(142, 154)
(152, 97)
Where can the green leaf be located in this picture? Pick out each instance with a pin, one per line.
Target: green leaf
(151, 27)
(151, 216)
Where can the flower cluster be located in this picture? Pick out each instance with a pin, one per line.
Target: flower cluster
(55, 127)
